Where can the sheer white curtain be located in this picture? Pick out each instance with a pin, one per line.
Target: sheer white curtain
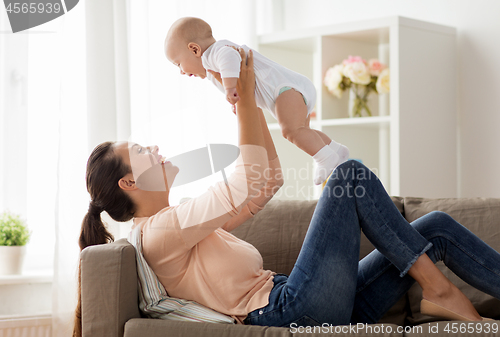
(44, 145)
(94, 107)
(116, 84)
(46, 148)
(72, 152)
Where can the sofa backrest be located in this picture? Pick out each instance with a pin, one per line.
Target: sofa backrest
(280, 228)
(278, 232)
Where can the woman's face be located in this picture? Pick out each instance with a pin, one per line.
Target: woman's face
(150, 171)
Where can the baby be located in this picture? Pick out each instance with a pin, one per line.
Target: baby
(288, 96)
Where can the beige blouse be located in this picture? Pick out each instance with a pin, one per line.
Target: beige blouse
(190, 249)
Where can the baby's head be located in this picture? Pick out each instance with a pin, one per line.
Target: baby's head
(186, 41)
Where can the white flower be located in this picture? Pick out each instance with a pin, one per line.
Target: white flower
(333, 78)
(383, 82)
(357, 73)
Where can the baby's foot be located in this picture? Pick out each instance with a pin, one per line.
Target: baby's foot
(326, 160)
(341, 150)
(343, 154)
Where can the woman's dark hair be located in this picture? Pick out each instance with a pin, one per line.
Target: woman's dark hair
(104, 169)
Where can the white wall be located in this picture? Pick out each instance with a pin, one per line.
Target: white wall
(478, 28)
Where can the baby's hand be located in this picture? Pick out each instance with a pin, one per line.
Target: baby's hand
(232, 96)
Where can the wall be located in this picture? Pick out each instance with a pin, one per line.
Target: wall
(478, 28)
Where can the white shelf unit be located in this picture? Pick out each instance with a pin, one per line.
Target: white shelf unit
(411, 140)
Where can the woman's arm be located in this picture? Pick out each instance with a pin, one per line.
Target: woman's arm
(274, 182)
(274, 175)
(247, 112)
(199, 217)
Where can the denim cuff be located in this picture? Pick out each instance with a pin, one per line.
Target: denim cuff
(410, 264)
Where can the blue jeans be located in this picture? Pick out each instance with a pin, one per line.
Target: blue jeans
(329, 285)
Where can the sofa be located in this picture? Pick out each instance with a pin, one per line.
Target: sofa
(109, 280)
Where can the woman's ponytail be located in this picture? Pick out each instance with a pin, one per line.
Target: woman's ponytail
(104, 170)
(93, 230)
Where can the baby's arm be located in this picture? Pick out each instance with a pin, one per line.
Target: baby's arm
(228, 61)
(229, 84)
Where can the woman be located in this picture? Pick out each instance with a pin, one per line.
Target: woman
(189, 248)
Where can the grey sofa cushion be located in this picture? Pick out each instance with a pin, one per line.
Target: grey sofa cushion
(482, 217)
(278, 232)
(160, 328)
(109, 288)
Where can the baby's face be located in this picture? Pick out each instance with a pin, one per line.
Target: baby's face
(187, 58)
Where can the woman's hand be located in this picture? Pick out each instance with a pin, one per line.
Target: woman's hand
(250, 129)
(246, 82)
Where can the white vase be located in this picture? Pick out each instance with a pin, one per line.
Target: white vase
(11, 259)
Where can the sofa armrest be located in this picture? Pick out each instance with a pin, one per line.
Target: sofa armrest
(109, 288)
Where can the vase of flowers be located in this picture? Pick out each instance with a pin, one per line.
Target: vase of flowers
(14, 235)
(361, 78)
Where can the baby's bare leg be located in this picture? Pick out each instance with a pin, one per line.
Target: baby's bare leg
(327, 140)
(341, 150)
(323, 136)
(291, 113)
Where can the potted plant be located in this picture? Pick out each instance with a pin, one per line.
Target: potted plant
(14, 235)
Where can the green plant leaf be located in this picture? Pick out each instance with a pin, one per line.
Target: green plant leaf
(13, 230)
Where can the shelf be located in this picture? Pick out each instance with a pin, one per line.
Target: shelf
(371, 31)
(408, 137)
(372, 122)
